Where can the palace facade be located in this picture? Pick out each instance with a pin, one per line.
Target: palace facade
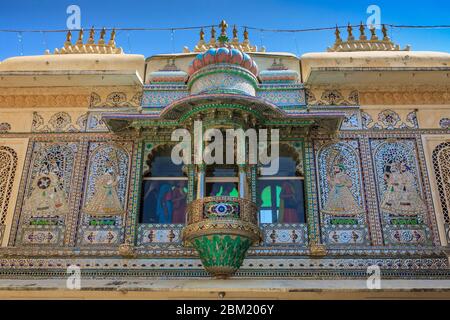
(87, 180)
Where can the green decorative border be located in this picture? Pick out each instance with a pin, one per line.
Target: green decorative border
(220, 106)
(241, 73)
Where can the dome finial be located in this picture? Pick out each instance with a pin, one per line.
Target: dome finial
(223, 27)
(245, 34)
(202, 35)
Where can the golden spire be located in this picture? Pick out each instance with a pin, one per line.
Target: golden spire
(91, 36)
(212, 41)
(223, 28)
(90, 47)
(80, 37)
(362, 34)
(102, 36)
(201, 45)
(384, 31)
(68, 38)
(244, 46)
(373, 34)
(350, 32)
(364, 44)
(235, 40)
(337, 33)
(112, 40)
(235, 32)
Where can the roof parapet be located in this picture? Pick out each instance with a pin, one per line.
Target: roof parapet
(363, 43)
(223, 40)
(90, 47)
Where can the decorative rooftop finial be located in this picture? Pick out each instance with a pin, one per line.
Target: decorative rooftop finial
(112, 39)
(384, 31)
(201, 44)
(212, 41)
(80, 37)
(102, 36)
(235, 32)
(223, 40)
(68, 38)
(223, 28)
(373, 34)
(350, 33)
(362, 32)
(235, 40)
(364, 44)
(245, 34)
(337, 33)
(90, 47)
(91, 36)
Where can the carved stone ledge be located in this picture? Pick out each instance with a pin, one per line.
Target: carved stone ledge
(36, 101)
(404, 97)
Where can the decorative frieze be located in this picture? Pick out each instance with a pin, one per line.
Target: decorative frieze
(404, 97)
(390, 120)
(48, 100)
(116, 99)
(332, 97)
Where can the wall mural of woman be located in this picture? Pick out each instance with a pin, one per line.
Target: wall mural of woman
(179, 203)
(401, 197)
(341, 201)
(164, 204)
(288, 204)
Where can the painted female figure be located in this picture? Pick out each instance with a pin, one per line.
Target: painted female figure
(47, 199)
(288, 204)
(341, 201)
(179, 203)
(105, 201)
(401, 196)
(164, 205)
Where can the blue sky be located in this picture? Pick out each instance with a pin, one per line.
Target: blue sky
(282, 14)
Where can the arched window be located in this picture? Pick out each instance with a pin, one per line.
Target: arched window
(222, 180)
(164, 189)
(281, 196)
(441, 163)
(8, 165)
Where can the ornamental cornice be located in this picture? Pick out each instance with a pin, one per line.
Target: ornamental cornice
(48, 100)
(404, 97)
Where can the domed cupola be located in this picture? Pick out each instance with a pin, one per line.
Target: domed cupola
(278, 73)
(170, 74)
(223, 69)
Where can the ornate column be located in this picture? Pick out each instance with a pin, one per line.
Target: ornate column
(316, 247)
(201, 181)
(243, 186)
